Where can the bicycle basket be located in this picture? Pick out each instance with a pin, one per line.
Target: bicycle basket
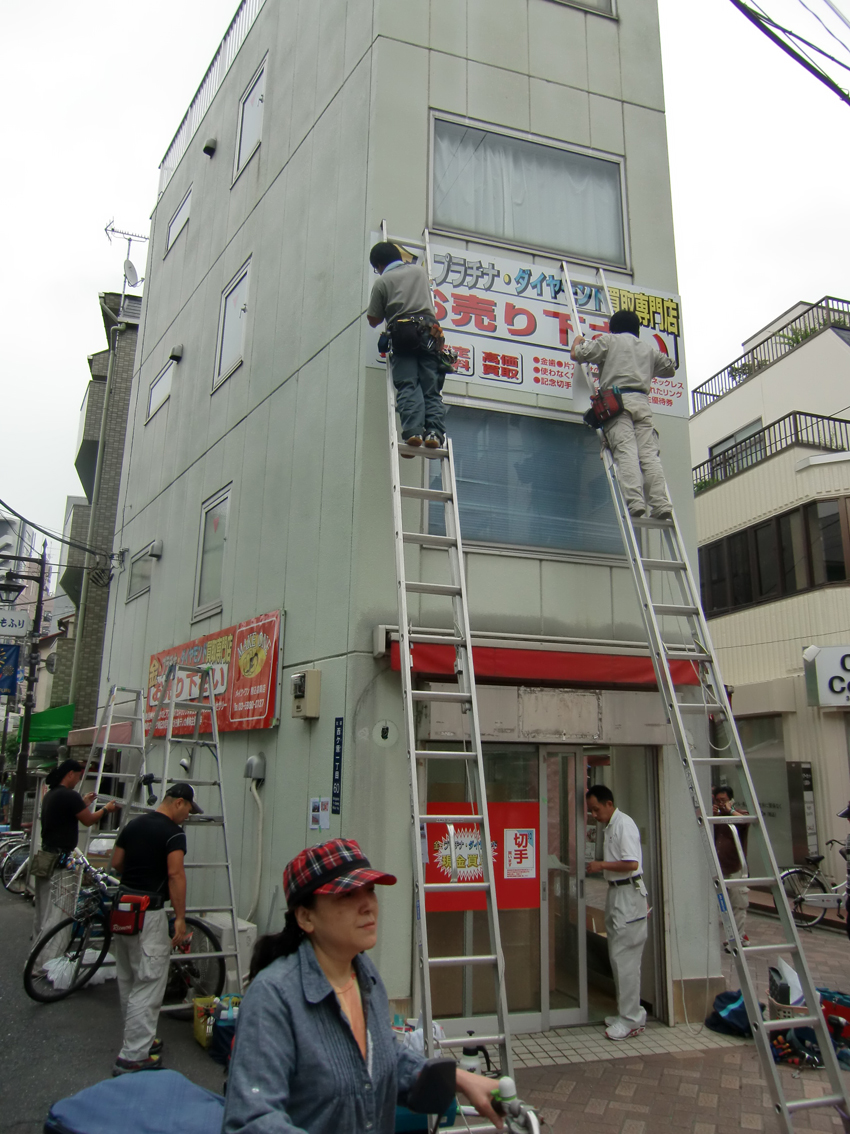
(68, 893)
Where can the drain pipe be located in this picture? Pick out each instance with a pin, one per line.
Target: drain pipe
(115, 330)
(255, 771)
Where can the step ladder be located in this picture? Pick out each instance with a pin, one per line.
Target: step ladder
(658, 562)
(193, 759)
(460, 639)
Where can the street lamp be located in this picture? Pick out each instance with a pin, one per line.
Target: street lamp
(10, 589)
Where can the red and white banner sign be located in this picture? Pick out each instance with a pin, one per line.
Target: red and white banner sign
(244, 663)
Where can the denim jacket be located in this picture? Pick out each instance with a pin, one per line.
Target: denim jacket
(296, 1065)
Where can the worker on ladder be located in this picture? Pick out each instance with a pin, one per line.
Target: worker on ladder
(629, 365)
(402, 298)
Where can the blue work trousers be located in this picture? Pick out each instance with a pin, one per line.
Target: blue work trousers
(418, 381)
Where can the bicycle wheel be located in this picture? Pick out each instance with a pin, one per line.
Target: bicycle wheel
(190, 977)
(65, 958)
(14, 877)
(798, 884)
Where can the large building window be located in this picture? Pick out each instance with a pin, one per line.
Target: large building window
(232, 320)
(250, 129)
(211, 554)
(533, 194)
(782, 556)
(530, 482)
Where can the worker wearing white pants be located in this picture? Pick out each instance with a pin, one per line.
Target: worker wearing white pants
(142, 963)
(625, 909)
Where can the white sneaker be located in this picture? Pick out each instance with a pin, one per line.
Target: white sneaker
(621, 1031)
(609, 1020)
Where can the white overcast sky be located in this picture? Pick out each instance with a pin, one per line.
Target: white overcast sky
(758, 155)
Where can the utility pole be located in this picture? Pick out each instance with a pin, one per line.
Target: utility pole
(32, 677)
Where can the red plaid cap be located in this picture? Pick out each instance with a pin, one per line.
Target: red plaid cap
(330, 868)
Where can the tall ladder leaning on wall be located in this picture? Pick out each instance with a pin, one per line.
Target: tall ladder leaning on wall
(188, 690)
(667, 570)
(460, 639)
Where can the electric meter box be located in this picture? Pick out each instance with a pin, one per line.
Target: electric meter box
(306, 693)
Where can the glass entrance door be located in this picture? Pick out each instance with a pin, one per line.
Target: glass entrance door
(563, 948)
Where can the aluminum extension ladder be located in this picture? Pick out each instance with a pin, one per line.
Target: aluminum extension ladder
(669, 570)
(460, 639)
(188, 689)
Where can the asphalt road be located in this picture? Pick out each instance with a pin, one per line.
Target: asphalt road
(49, 1051)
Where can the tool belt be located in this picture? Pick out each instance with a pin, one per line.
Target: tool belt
(412, 333)
(626, 881)
(604, 406)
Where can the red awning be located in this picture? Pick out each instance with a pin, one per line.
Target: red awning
(545, 667)
(120, 733)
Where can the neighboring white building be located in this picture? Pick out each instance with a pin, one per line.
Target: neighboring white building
(770, 437)
(256, 480)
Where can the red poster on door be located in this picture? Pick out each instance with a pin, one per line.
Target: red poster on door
(514, 831)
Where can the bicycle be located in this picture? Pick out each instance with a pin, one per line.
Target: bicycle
(66, 958)
(14, 871)
(809, 892)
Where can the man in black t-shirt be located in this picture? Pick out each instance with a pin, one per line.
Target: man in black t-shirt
(149, 857)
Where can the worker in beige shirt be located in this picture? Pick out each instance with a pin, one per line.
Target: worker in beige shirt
(629, 364)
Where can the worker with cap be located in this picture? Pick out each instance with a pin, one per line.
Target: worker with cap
(845, 854)
(148, 856)
(625, 909)
(314, 1048)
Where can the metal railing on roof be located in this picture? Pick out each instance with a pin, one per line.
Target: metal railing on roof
(827, 312)
(234, 37)
(807, 429)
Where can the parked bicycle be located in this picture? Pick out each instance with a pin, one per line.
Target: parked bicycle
(809, 892)
(66, 957)
(14, 857)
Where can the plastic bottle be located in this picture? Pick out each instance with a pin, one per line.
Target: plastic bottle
(470, 1060)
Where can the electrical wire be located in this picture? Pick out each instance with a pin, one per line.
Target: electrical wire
(826, 26)
(54, 535)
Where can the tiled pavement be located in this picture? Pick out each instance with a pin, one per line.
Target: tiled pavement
(674, 1079)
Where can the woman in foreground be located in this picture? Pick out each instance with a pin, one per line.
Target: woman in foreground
(314, 1049)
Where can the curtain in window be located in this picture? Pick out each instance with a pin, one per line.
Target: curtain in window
(529, 481)
(494, 185)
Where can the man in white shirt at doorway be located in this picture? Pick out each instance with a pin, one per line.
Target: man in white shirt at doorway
(625, 909)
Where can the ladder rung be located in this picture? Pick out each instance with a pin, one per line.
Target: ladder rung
(433, 589)
(490, 1041)
(421, 451)
(111, 775)
(475, 959)
(752, 882)
(192, 707)
(649, 522)
(425, 493)
(811, 1104)
(663, 564)
(782, 947)
(176, 958)
(198, 743)
(439, 695)
(794, 1022)
(424, 754)
(731, 820)
(459, 887)
(436, 639)
(687, 655)
(452, 818)
(674, 609)
(428, 540)
(194, 783)
(716, 760)
(701, 707)
(210, 820)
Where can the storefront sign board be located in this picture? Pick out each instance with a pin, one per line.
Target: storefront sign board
(827, 670)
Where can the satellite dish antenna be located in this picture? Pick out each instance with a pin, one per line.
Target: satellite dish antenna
(130, 274)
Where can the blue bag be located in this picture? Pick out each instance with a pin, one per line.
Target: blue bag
(729, 1015)
(146, 1102)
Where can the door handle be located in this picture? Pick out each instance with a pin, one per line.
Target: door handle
(544, 890)
(581, 888)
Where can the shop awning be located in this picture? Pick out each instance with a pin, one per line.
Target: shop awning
(51, 724)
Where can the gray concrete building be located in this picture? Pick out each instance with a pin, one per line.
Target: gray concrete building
(520, 132)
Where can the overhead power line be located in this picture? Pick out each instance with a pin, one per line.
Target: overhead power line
(762, 23)
(53, 535)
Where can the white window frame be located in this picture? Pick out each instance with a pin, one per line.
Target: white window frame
(243, 273)
(171, 237)
(539, 140)
(237, 168)
(151, 413)
(586, 6)
(143, 554)
(211, 608)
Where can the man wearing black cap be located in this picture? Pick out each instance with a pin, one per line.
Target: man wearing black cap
(148, 856)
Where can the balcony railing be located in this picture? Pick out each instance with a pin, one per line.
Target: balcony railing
(234, 37)
(807, 429)
(828, 312)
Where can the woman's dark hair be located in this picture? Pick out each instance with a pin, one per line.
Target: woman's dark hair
(274, 945)
(624, 322)
(384, 253)
(55, 778)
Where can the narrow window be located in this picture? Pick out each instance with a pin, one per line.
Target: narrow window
(792, 542)
(824, 524)
(160, 389)
(179, 221)
(141, 568)
(250, 131)
(740, 573)
(231, 325)
(767, 560)
(529, 193)
(211, 553)
(716, 576)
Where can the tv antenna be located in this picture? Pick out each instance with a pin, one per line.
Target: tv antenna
(131, 276)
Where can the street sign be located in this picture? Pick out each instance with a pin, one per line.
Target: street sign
(14, 623)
